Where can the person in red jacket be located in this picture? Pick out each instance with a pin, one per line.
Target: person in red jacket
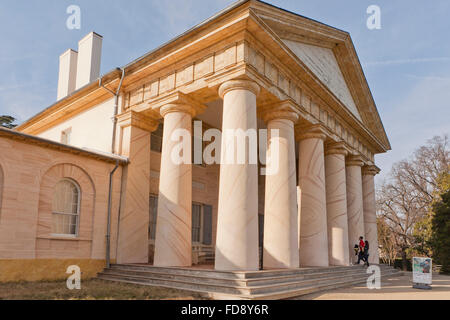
(361, 250)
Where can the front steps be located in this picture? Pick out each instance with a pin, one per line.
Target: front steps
(252, 285)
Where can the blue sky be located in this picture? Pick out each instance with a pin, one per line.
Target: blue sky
(407, 62)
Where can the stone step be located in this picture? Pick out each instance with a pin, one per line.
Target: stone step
(250, 282)
(310, 282)
(231, 274)
(176, 284)
(278, 295)
(232, 289)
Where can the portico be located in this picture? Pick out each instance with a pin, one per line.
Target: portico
(251, 67)
(325, 143)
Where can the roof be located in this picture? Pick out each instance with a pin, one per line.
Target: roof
(26, 138)
(346, 50)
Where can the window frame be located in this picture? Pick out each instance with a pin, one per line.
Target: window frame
(200, 242)
(67, 133)
(154, 135)
(78, 214)
(150, 224)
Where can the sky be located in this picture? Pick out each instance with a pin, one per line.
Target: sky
(406, 62)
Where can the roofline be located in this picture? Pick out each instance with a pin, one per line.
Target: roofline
(302, 16)
(114, 75)
(134, 62)
(107, 157)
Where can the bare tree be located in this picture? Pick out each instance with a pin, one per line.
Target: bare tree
(407, 196)
(387, 243)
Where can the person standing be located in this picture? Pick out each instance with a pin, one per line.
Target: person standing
(361, 250)
(366, 252)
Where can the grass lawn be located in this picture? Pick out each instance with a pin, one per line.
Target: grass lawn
(94, 289)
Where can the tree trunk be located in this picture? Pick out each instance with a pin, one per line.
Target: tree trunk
(404, 261)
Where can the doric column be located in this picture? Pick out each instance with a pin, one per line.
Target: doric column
(337, 204)
(134, 219)
(354, 202)
(237, 223)
(281, 214)
(173, 240)
(370, 215)
(313, 212)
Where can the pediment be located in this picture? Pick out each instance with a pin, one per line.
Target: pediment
(322, 62)
(329, 55)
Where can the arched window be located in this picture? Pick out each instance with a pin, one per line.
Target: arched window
(66, 208)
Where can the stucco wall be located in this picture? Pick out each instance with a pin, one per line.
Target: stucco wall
(90, 129)
(30, 173)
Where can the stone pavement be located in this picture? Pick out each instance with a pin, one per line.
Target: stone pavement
(393, 288)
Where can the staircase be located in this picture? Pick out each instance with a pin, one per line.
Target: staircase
(253, 285)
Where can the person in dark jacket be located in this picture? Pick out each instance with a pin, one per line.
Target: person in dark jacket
(366, 252)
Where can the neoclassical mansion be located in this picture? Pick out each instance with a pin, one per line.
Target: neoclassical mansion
(90, 179)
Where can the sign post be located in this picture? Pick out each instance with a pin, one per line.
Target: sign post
(422, 273)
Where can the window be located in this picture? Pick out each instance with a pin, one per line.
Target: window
(201, 224)
(157, 139)
(66, 135)
(201, 221)
(153, 216)
(66, 206)
(196, 223)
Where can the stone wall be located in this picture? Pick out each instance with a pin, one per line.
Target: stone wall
(28, 251)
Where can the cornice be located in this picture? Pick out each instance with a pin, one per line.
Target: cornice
(371, 170)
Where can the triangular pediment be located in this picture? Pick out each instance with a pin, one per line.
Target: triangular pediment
(322, 62)
(328, 54)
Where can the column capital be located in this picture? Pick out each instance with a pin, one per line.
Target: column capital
(139, 120)
(177, 107)
(370, 170)
(238, 84)
(336, 148)
(177, 98)
(280, 110)
(316, 131)
(354, 161)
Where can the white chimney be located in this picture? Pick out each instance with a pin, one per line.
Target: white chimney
(67, 73)
(89, 56)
